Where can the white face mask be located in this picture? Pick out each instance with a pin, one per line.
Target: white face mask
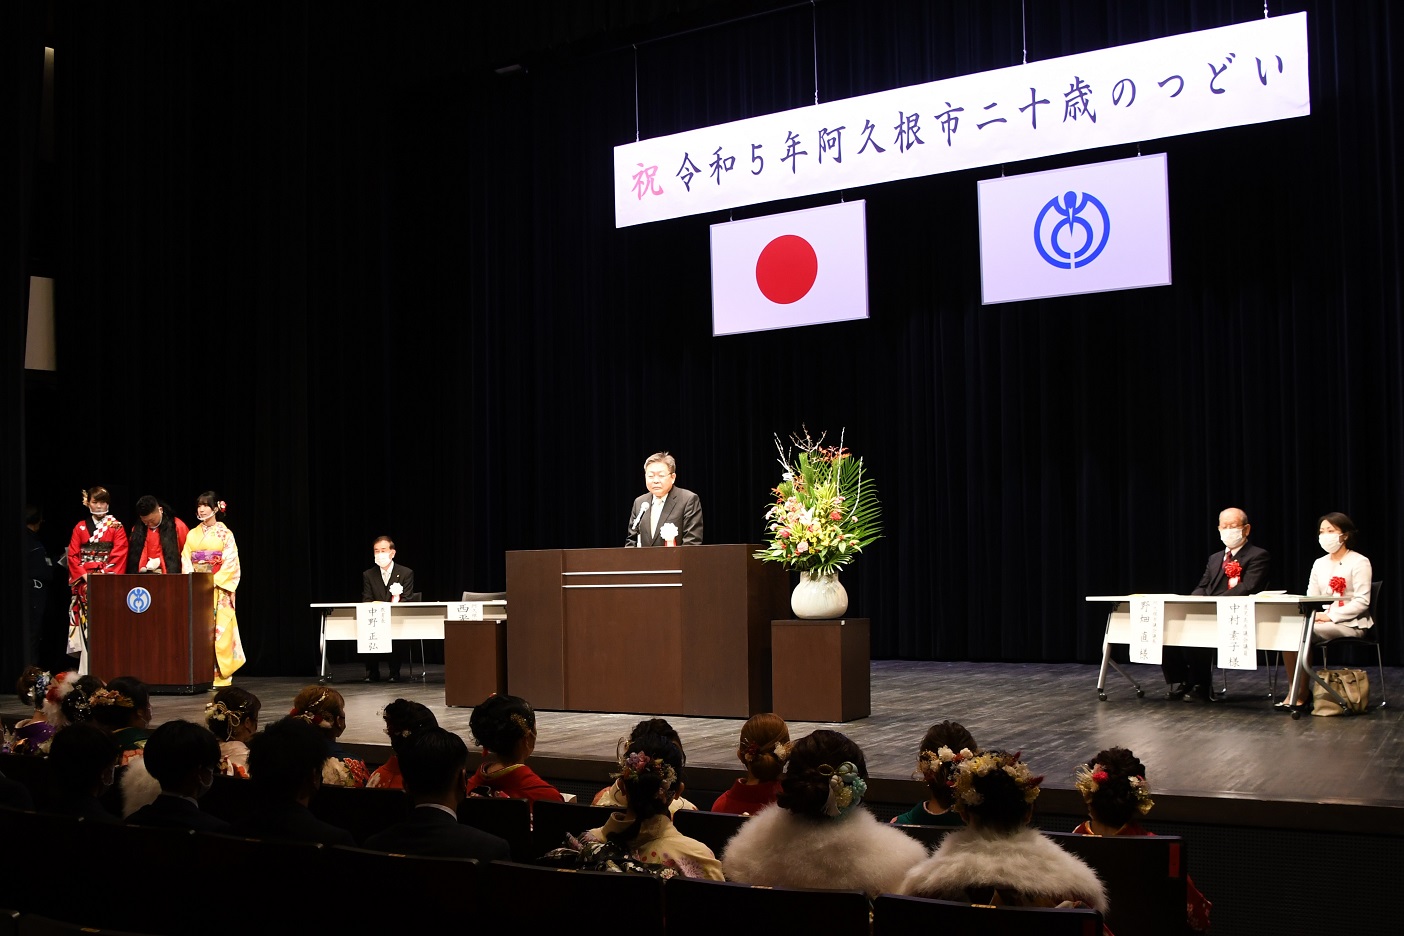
(1330, 542)
(383, 560)
(1232, 537)
(203, 514)
(98, 513)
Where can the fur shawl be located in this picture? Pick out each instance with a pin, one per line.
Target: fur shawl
(777, 848)
(1026, 864)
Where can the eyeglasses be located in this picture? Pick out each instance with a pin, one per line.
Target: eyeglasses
(656, 476)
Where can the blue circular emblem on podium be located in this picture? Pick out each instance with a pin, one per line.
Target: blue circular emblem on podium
(138, 599)
(1068, 235)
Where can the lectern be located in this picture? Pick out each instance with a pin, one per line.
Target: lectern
(680, 631)
(158, 628)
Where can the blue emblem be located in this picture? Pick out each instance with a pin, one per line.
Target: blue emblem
(1067, 235)
(138, 599)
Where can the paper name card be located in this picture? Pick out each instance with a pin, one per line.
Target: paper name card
(1147, 629)
(1238, 633)
(373, 627)
(465, 611)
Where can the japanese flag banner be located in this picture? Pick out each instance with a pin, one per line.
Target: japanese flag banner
(798, 268)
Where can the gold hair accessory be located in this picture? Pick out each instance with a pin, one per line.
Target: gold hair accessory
(1090, 779)
(106, 697)
(522, 723)
(218, 711)
(846, 788)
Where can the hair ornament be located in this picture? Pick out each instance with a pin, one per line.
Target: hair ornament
(85, 497)
(312, 714)
(846, 788)
(106, 697)
(218, 711)
(634, 766)
(223, 507)
(1090, 779)
(968, 770)
(930, 764)
(522, 723)
(40, 690)
(750, 750)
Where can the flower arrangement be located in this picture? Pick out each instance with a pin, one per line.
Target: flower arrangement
(825, 510)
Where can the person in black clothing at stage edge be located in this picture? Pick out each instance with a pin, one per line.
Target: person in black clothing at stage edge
(1240, 568)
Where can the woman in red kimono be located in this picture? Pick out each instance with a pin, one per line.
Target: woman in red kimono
(98, 546)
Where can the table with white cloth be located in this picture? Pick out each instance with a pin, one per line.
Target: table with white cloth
(409, 620)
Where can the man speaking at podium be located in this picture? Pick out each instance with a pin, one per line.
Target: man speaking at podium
(666, 515)
(155, 541)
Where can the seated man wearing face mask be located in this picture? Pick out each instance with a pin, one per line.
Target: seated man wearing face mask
(388, 581)
(1240, 568)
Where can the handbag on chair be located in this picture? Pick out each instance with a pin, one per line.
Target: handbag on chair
(1353, 685)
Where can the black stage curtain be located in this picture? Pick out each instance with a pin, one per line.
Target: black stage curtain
(332, 264)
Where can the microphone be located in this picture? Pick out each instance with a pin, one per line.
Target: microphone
(643, 509)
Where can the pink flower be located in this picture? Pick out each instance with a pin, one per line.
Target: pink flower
(784, 534)
(803, 546)
(835, 515)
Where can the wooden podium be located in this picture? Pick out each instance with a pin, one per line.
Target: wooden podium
(158, 628)
(680, 631)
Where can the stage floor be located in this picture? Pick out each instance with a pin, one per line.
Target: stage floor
(1241, 750)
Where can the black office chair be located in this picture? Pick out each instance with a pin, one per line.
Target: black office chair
(1370, 637)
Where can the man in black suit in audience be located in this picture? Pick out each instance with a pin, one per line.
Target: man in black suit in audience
(1240, 568)
(388, 581)
(285, 767)
(183, 757)
(435, 768)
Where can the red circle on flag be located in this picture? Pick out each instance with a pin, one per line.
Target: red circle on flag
(786, 269)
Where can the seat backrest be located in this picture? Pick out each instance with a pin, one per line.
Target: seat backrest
(138, 854)
(1375, 609)
(230, 798)
(435, 888)
(505, 818)
(552, 821)
(32, 771)
(564, 900)
(697, 907)
(713, 829)
(930, 836)
(363, 812)
(296, 868)
(901, 916)
(1144, 875)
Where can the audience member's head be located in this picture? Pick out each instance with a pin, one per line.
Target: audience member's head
(994, 790)
(32, 685)
(124, 702)
(285, 759)
(765, 743)
(183, 757)
(74, 701)
(650, 773)
(233, 714)
(322, 708)
(946, 744)
(504, 725)
(404, 719)
(434, 763)
(825, 775)
(82, 761)
(1113, 785)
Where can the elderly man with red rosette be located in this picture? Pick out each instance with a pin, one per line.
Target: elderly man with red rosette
(1240, 568)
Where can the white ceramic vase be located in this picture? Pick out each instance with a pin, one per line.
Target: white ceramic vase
(818, 597)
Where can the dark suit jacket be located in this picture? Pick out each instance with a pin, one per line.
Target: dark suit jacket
(1256, 564)
(176, 812)
(373, 589)
(291, 822)
(682, 508)
(433, 832)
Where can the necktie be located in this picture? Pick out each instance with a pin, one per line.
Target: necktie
(653, 516)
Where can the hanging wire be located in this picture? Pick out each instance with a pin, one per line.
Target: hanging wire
(814, 38)
(1265, 9)
(636, 93)
(1024, 24)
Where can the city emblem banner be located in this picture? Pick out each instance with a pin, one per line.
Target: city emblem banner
(1230, 76)
(797, 268)
(1078, 230)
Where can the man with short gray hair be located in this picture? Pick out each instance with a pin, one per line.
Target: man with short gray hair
(665, 515)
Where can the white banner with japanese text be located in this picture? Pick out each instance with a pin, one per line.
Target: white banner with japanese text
(1147, 628)
(1238, 633)
(1230, 76)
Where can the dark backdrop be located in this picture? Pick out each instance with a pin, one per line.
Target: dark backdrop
(330, 263)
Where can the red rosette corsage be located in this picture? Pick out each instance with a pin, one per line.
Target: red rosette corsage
(1338, 587)
(1232, 569)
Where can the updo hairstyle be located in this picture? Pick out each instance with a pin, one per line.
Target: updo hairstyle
(501, 722)
(804, 790)
(765, 743)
